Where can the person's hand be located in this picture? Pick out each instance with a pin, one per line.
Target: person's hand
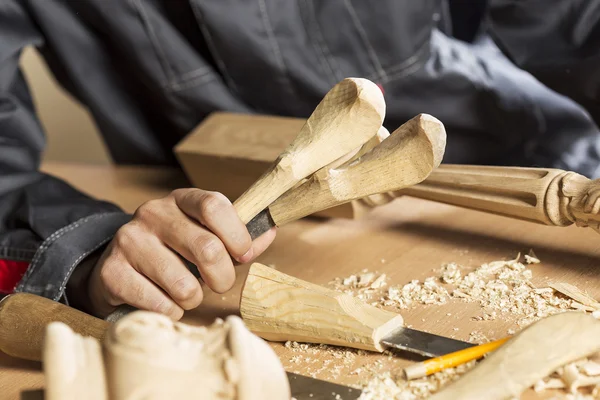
(142, 265)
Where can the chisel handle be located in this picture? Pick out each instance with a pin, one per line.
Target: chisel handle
(279, 307)
(348, 116)
(23, 320)
(542, 195)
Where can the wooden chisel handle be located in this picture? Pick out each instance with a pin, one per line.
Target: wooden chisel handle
(542, 195)
(23, 320)
(279, 307)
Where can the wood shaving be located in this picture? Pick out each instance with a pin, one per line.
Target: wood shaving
(451, 273)
(571, 291)
(429, 292)
(478, 337)
(531, 258)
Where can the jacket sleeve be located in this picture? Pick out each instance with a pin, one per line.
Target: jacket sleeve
(556, 41)
(43, 221)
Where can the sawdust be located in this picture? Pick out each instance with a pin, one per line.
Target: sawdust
(387, 386)
(502, 289)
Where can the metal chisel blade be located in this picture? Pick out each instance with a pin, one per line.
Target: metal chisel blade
(306, 388)
(423, 343)
(260, 224)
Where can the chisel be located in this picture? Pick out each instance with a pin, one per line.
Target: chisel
(23, 320)
(279, 307)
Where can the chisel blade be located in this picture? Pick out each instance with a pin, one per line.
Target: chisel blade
(306, 388)
(423, 343)
(260, 224)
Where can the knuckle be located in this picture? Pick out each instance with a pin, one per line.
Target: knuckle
(125, 236)
(213, 203)
(210, 251)
(149, 210)
(185, 288)
(219, 278)
(195, 301)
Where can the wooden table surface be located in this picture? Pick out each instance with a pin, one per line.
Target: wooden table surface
(407, 239)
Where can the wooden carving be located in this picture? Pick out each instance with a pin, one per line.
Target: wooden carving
(542, 195)
(279, 307)
(148, 356)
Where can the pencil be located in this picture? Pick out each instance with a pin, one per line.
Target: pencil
(437, 364)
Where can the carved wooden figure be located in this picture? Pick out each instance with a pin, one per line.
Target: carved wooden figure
(148, 356)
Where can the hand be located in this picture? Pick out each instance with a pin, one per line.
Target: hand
(142, 265)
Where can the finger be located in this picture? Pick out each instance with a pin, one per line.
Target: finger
(215, 211)
(203, 249)
(161, 265)
(262, 242)
(192, 241)
(130, 287)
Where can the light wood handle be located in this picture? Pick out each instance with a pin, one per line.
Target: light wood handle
(348, 116)
(278, 307)
(23, 320)
(542, 195)
(405, 158)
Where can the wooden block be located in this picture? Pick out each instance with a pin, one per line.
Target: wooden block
(228, 152)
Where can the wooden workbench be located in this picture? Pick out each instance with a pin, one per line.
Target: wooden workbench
(406, 239)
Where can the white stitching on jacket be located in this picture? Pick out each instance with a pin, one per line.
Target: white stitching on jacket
(51, 239)
(63, 284)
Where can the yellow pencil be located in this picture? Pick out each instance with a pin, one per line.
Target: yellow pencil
(437, 364)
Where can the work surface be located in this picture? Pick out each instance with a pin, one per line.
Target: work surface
(407, 239)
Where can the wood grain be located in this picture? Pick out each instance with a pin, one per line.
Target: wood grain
(279, 307)
(349, 115)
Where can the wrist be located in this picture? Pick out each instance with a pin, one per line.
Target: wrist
(78, 288)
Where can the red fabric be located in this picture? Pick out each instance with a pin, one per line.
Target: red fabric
(381, 88)
(11, 273)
